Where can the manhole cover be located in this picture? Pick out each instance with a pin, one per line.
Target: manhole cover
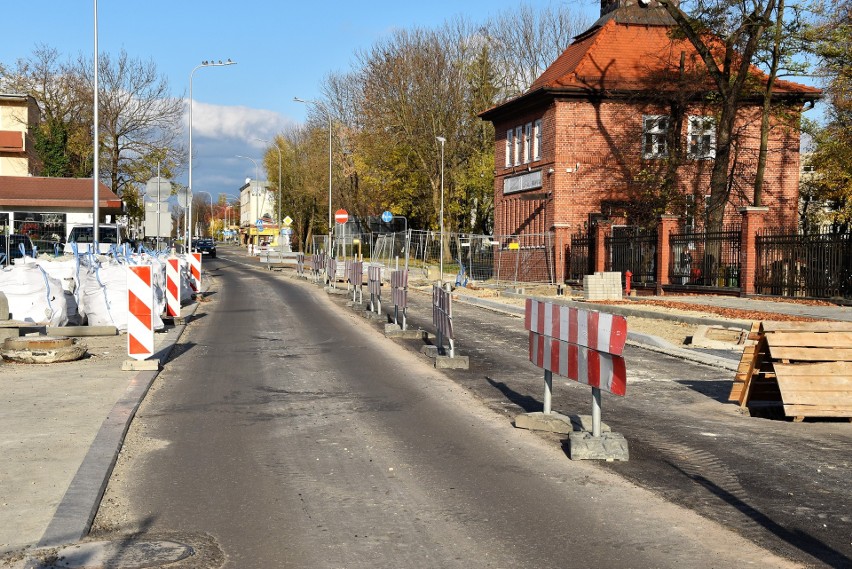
(42, 350)
(127, 554)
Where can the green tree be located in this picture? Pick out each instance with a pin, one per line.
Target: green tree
(832, 155)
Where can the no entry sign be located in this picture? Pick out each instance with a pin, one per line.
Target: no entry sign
(340, 216)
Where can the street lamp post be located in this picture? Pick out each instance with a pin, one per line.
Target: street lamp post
(256, 190)
(442, 140)
(328, 115)
(280, 193)
(188, 213)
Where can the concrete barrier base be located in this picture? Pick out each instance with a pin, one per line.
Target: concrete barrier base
(337, 291)
(394, 331)
(143, 365)
(556, 422)
(370, 315)
(608, 446)
(429, 350)
(458, 362)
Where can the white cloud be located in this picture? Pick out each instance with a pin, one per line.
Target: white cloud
(215, 121)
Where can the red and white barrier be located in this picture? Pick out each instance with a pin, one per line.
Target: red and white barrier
(173, 286)
(194, 260)
(588, 328)
(584, 365)
(582, 345)
(140, 320)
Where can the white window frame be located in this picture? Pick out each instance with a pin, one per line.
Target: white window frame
(519, 135)
(701, 138)
(659, 143)
(510, 147)
(528, 143)
(537, 140)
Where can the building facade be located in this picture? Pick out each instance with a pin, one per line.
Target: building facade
(619, 127)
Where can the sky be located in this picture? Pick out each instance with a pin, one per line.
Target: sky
(282, 50)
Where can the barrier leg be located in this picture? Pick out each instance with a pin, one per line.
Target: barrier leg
(596, 412)
(548, 391)
(452, 348)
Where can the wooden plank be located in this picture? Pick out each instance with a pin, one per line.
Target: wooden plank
(805, 354)
(811, 411)
(739, 391)
(811, 339)
(824, 369)
(826, 326)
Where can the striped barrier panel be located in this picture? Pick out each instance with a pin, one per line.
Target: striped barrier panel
(442, 316)
(300, 264)
(355, 277)
(331, 271)
(399, 294)
(195, 270)
(583, 345)
(140, 318)
(173, 286)
(374, 285)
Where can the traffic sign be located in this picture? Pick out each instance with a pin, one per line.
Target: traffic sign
(288, 220)
(387, 217)
(341, 216)
(259, 225)
(158, 189)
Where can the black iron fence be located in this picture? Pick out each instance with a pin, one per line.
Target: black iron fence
(580, 257)
(633, 249)
(706, 259)
(817, 265)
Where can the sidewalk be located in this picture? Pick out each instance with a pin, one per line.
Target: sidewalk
(61, 428)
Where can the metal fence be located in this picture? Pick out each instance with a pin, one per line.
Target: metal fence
(706, 259)
(580, 256)
(633, 249)
(817, 265)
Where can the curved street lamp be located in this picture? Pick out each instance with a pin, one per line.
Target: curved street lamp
(188, 213)
(328, 115)
(442, 140)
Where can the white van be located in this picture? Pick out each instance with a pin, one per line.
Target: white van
(109, 234)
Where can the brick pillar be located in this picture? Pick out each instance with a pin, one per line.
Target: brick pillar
(665, 225)
(603, 229)
(752, 224)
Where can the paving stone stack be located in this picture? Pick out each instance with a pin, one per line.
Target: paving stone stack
(602, 286)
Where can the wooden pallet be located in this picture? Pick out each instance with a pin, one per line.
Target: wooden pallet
(802, 368)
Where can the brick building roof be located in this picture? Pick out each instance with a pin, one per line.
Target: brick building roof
(616, 56)
(37, 194)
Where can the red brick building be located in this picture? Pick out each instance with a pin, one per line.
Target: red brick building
(591, 137)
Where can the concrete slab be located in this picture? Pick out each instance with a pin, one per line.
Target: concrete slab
(140, 365)
(609, 446)
(337, 291)
(394, 331)
(431, 351)
(556, 423)
(82, 331)
(457, 362)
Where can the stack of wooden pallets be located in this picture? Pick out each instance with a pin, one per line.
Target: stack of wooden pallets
(802, 368)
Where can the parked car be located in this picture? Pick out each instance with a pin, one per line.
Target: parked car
(10, 246)
(205, 247)
(109, 234)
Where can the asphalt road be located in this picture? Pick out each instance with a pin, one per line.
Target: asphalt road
(287, 432)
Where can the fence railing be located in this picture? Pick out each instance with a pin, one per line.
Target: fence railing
(815, 265)
(580, 256)
(633, 249)
(706, 259)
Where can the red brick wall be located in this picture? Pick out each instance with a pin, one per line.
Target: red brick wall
(594, 150)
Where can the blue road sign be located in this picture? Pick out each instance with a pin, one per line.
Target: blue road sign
(387, 217)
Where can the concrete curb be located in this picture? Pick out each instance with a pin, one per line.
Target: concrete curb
(76, 511)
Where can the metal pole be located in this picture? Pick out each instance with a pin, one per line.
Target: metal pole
(548, 391)
(96, 167)
(596, 412)
(442, 140)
